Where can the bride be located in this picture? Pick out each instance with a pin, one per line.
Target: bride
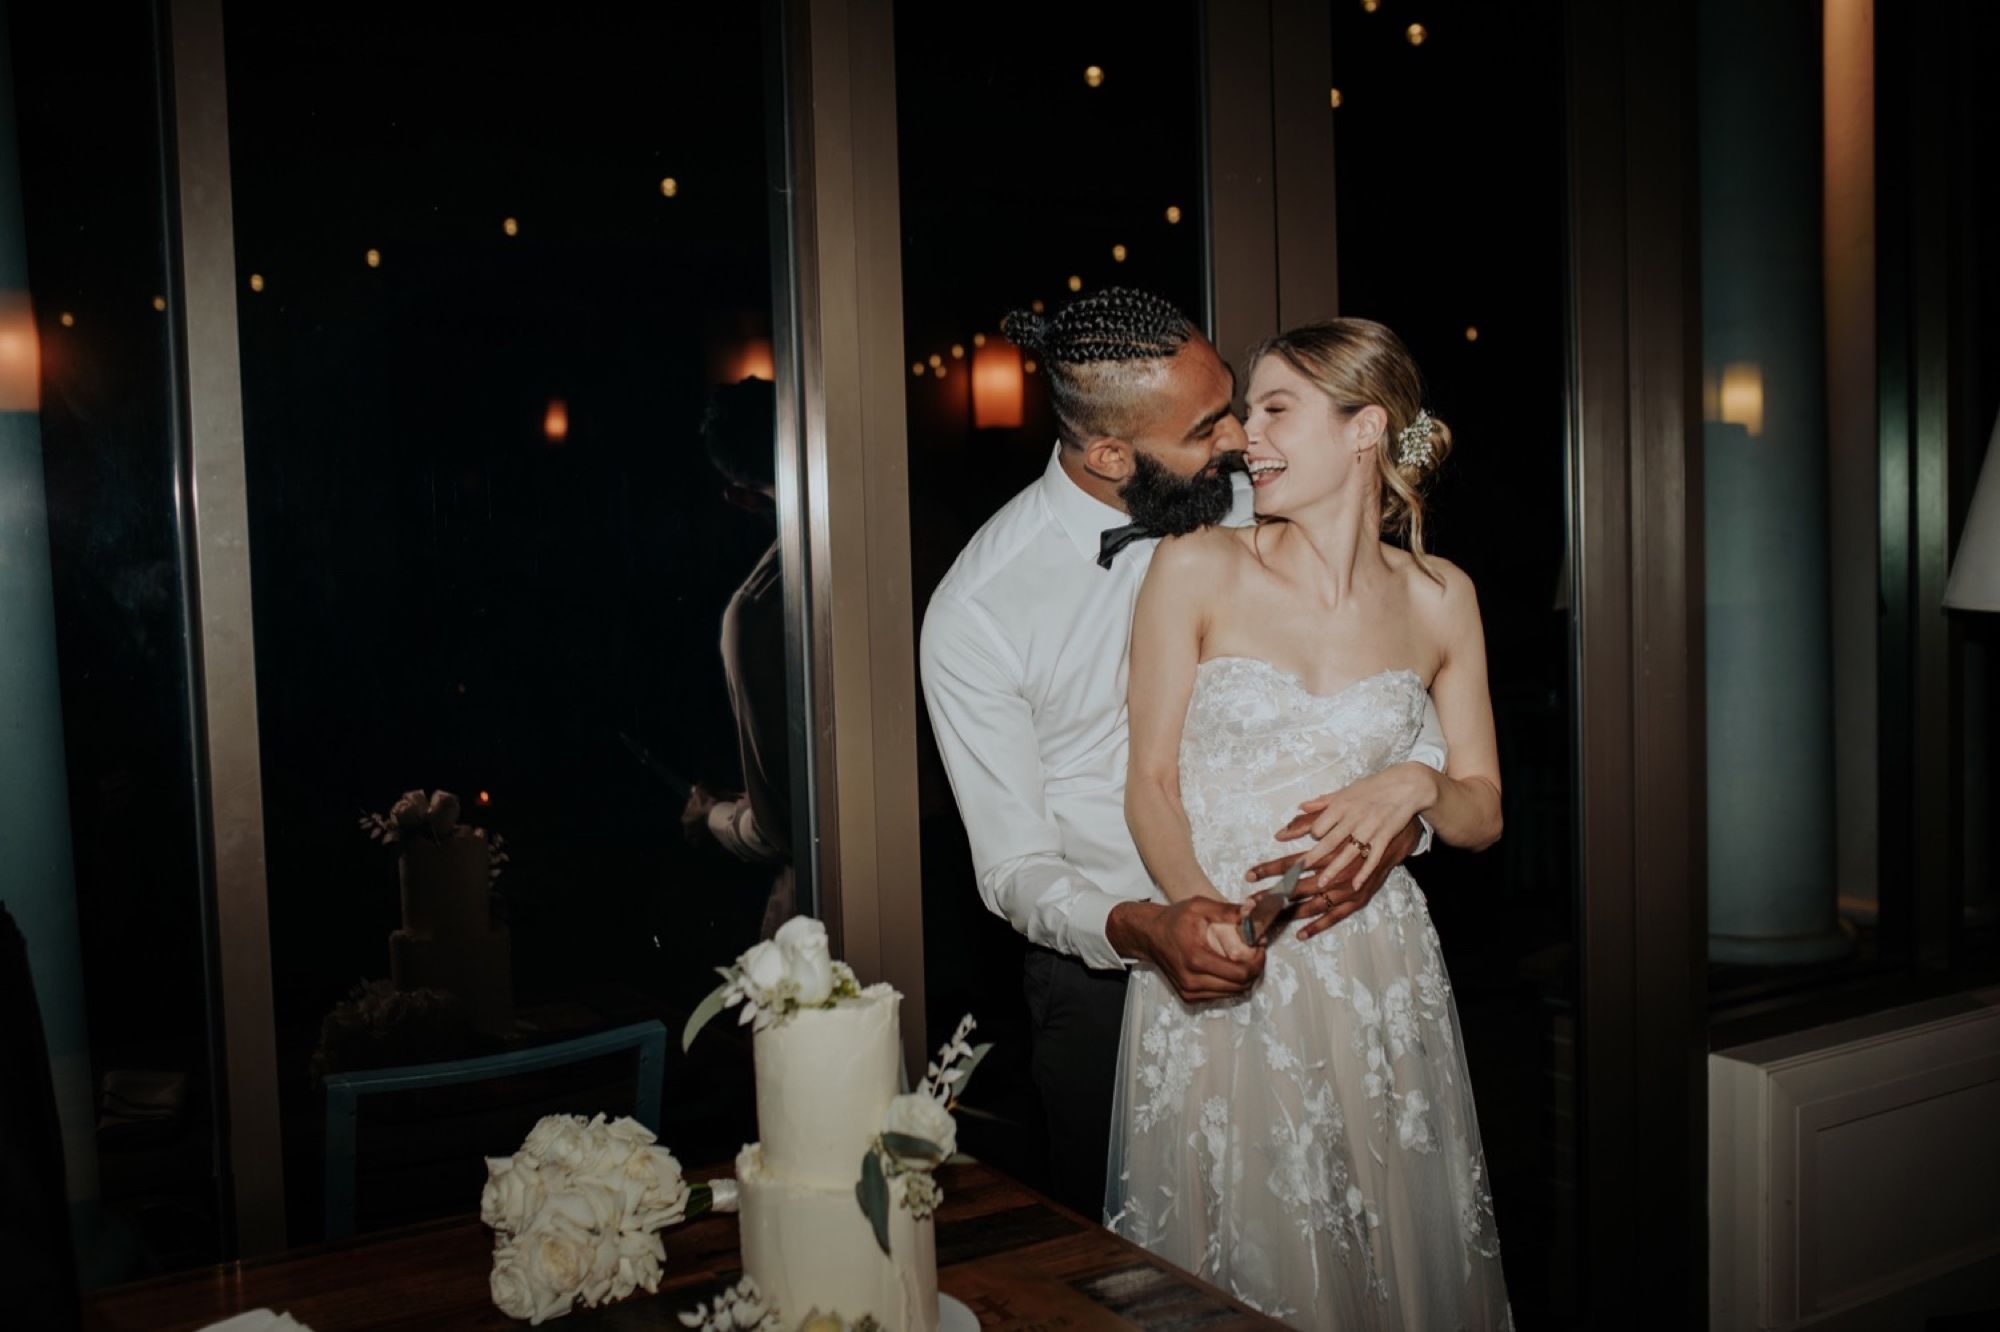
(1312, 1147)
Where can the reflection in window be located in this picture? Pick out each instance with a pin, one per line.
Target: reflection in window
(505, 305)
(1449, 166)
(100, 866)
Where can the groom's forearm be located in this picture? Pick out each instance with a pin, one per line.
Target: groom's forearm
(1128, 929)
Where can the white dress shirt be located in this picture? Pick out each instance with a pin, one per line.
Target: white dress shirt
(1024, 656)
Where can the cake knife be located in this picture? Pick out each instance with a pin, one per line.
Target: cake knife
(1272, 904)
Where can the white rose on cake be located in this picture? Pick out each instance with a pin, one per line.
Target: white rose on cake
(770, 982)
(916, 1115)
(808, 959)
(765, 971)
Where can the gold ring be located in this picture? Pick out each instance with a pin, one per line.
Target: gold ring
(1363, 846)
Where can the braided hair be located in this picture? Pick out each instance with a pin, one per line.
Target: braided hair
(1103, 352)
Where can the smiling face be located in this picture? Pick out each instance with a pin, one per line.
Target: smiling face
(1178, 416)
(1304, 448)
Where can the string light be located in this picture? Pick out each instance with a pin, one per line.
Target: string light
(940, 372)
(917, 369)
(68, 319)
(1472, 332)
(485, 797)
(159, 302)
(1118, 254)
(256, 282)
(374, 258)
(936, 360)
(1333, 98)
(1036, 306)
(1075, 282)
(979, 339)
(1173, 214)
(1094, 76)
(511, 226)
(670, 187)
(1370, 6)
(1029, 366)
(957, 351)
(1416, 33)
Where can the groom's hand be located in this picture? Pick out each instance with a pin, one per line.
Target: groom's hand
(1326, 900)
(1195, 943)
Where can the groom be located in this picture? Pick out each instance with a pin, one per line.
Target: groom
(1024, 663)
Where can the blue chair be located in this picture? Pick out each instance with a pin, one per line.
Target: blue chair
(343, 1090)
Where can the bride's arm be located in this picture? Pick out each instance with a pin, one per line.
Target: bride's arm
(1464, 806)
(1166, 649)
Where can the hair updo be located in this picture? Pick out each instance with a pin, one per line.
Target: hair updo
(1102, 352)
(1360, 363)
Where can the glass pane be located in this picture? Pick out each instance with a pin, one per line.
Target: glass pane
(97, 818)
(995, 221)
(1449, 161)
(1979, 666)
(505, 301)
(1791, 491)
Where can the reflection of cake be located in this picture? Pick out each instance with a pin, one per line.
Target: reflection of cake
(449, 940)
(825, 1078)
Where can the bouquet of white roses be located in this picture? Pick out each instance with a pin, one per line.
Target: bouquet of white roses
(792, 970)
(577, 1214)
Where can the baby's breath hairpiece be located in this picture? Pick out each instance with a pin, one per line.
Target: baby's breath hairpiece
(1414, 442)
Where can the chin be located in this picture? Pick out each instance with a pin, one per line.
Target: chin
(1268, 502)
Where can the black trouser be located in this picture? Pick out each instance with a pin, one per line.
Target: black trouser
(1077, 1014)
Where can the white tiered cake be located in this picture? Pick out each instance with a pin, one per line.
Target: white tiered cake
(825, 1078)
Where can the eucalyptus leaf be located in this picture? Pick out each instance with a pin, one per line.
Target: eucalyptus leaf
(872, 1192)
(961, 1076)
(705, 1010)
(911, 1147)
(960, 1158)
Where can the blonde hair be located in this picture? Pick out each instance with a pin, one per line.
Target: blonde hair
(1360, 363)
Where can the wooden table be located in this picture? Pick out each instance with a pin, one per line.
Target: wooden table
(1019, 1260)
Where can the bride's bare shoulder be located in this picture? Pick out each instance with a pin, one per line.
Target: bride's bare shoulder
(1207, 555)
(1437, 586)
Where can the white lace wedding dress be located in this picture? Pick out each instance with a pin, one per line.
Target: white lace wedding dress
(1312, 1147)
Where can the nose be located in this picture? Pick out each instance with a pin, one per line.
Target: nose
(1229, 436)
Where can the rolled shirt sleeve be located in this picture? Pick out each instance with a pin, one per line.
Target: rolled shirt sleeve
(986, 735)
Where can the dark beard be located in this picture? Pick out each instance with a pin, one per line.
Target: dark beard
(1163, 501)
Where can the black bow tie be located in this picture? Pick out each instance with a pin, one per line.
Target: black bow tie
(1114, 539)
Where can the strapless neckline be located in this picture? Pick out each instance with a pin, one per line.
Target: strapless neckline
(1292, 680)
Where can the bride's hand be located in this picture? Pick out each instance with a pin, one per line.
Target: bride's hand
(1353, 827)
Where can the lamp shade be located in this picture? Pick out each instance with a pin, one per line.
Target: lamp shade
(997, 385)
(1975, 574)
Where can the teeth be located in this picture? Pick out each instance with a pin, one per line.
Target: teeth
(1261, 467)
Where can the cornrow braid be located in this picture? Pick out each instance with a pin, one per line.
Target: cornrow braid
(1101, 350)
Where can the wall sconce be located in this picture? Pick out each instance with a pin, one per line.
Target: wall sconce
(753, 360)
(20, 355)
(997, 386)
(1737, 398)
